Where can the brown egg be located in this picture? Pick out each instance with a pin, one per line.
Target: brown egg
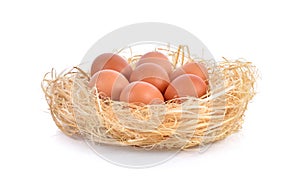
(141, 92)
(191, 68)
(111, 61)
(186, 85)
(109, 83)
(151, 73)
(156, 58)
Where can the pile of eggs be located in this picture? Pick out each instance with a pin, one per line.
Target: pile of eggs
(152, 81)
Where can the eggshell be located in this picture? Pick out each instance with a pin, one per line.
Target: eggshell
(186, 85)
(109, 83)
(191, 68)
(151, 73)
(156, 58)
(141, 92)
(113, 62)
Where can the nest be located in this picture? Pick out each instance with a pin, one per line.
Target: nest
(179, 123)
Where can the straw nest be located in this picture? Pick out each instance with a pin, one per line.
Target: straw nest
(179, 123)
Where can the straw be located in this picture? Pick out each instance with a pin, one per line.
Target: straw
(179, 123)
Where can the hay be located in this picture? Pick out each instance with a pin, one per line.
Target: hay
(184, 123)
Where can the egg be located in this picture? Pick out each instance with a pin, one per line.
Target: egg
(113, 62)
(141, 92)
(151, 73)
(109, 83)
(156, 58)
(191, 68)
(186, 85)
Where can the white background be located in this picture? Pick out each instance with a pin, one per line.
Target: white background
(38, 35)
